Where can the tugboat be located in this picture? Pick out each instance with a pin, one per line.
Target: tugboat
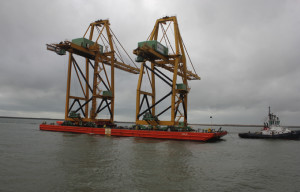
(272, 130)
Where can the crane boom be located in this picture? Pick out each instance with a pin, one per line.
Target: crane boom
(90, 54)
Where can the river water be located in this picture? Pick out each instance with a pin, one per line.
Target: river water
(34, 160)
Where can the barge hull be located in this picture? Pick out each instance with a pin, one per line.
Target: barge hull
(191, 136)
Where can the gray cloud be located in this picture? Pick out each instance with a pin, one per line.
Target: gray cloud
(246, 52)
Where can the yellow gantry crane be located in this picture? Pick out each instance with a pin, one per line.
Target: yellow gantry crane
(171, 57)
(100, 53)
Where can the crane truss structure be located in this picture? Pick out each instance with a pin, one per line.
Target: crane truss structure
(154, 57)
(97, 89)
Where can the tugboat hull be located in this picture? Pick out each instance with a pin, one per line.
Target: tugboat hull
(191, 136)
(292, 135)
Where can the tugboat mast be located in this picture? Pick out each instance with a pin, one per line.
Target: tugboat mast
(269, 113)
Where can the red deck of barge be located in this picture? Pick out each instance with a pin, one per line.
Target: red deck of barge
(192, 136)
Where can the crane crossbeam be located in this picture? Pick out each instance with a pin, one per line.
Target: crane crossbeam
(166, 62)
(90, 53)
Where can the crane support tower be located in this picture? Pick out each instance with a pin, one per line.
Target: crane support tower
(156, 57)
(97, 48)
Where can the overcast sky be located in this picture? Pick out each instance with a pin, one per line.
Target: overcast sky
(247, 53)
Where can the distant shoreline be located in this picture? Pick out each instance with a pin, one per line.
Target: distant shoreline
(31, 118)
(192, 124)
(236, 125)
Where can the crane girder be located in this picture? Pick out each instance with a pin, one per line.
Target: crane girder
(166, 62)
(90, 54)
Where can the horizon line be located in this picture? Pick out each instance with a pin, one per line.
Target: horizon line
(199, 124)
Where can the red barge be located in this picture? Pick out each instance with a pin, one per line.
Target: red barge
(123, 132)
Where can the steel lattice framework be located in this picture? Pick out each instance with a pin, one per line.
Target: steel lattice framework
(152, 64)
(99, 94)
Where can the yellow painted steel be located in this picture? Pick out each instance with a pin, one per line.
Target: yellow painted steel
(175, 63)
(68, 85)
(101, 59)
(139, 92)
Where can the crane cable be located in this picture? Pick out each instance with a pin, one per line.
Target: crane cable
(118, 54)
(165, 32)
(188, 55)
(104, 45)
(186, 52)
(123, 48)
